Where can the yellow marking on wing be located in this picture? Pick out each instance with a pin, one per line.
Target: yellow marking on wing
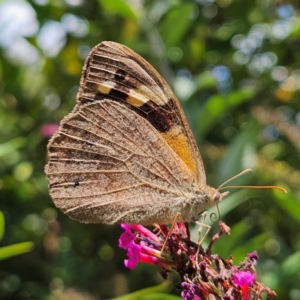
(137, 97)
(178, 142)
(105, 87)
(142, 94)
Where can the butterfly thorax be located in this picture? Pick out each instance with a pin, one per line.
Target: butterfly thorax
(200, 201)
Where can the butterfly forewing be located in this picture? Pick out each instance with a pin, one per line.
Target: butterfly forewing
(113, 71)
(126, 152)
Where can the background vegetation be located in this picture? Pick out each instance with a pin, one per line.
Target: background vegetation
(235, 66)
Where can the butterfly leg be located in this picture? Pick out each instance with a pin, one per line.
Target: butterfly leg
(177, 217)
(201, 225)
(200, 240)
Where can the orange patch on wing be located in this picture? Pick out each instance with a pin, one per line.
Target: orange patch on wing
(178, 142)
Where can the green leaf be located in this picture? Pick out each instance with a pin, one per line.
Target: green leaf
(176, 23)
(23, 171)
(237, 243)
(289, 204)
(205, 80)
(119, 7)
(217, 105)
(241, 249)
(239, 155)
(11, 146)
(148, 293)
(16, 249)
(291, 265)
(227, 244)
(2, 225)
(161, 296)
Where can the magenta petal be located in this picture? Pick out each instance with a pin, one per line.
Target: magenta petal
(151, 251)
(134, 256)
(126, 239)
(126, 227)
(254, 257)
(145, 232)
(244, 278)
(130, 264)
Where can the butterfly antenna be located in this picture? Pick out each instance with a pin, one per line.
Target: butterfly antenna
(222, 186)
(234, 177)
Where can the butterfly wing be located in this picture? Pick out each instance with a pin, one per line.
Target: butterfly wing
(126, 152)
(116, 72)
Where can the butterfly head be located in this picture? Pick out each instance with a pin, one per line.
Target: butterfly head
(214, 195)
(209, 196)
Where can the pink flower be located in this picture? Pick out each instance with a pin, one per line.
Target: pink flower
(244, 280)
(189, 291)
(203, 275)
(254, 257)
(133, 253)
(48, 130)
(126, 237)
(140, 247)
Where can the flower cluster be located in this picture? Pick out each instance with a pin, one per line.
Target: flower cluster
(203, 275)
(143, 246)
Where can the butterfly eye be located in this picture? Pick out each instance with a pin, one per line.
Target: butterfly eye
(217, 196)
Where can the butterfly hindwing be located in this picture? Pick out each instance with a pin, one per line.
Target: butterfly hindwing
(106, 165)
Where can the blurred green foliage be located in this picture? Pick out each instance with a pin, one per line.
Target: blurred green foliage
(12, 250)
(235, 67)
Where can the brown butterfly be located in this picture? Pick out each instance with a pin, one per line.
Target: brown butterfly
(126, 152)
